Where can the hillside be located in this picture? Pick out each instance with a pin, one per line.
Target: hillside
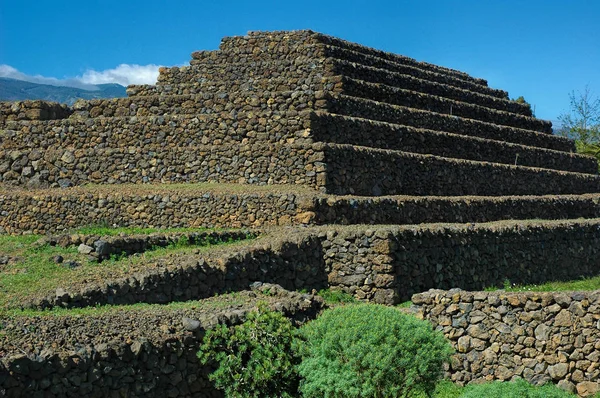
(17, 90)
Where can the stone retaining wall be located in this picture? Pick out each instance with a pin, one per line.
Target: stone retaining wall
(368, 109)
(412, 70)
(357, 131)
(433, 103)
(130, 352)
(539, 336)
(383, 264)
(167, 131)
(374, 75)
(43, 212)
(32, 110)
(375, 172)
(255, 163)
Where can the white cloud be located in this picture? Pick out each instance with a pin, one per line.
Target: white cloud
(123, 74)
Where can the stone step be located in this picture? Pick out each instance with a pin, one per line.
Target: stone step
(415, 99)
(374, 172)
(412, 70)
(169, 131)
(221, 72)
(341, 129)
(369, 109)
(183, 205)
(199, 83)
(251, 163)
(455, 209)
(230, 79)
(208, 102)
(290, 43)
(401, 59)
(212, 205)
(382, 76)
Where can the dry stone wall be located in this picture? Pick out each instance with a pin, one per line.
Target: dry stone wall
(363, 132)
(32, 110)
(133, 353)
(49, 211)
(375, 172)
(381, 263)
(255, 163)
(539, 336)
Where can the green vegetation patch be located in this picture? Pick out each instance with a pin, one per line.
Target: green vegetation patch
(29, 270)
(585, 284)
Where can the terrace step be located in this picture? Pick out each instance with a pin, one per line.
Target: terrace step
(176, 130)
(382, 76)
(334, 41)
(455, 209)
(370, 109)
(412, 70)
(257, 163)
(286, 44)
(401, 173)
(327, 127)
(414, 99)
(228, 205)
(186, 205)
(213, 101)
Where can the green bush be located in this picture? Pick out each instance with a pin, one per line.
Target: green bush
(517, 389)
(370, 351)
(255, 359)
(336, 296)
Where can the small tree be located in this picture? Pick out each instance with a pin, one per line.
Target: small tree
(521, 100)
(254, 359)
(582, 123)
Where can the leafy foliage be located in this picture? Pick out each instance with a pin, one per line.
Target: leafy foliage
(370, 351)
(582, 123)
(255, 359)
(336, 296)
(521, 100)
(519, 388)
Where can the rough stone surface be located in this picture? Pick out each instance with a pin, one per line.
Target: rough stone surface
(539, 345)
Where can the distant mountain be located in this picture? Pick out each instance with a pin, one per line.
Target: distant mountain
(18, 90)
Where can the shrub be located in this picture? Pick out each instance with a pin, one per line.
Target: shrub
(370, 351)
(255, 359)
(518, 388)
(336, 296)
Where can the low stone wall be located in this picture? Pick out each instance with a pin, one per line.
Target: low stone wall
(383, 264)
(375, 172)
(32, 110)
(103, 247)
(50, 211)
(286, 42)
(357, 131)
(538, 336)
(295, 263)
(127, 352)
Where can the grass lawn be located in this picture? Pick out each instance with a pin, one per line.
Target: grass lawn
(31, 270)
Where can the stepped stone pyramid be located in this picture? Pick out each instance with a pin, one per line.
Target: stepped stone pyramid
(300, 128)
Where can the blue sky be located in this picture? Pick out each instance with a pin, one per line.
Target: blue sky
(541, 49)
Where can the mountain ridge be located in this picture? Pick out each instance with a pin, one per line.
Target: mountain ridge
(19, 90)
